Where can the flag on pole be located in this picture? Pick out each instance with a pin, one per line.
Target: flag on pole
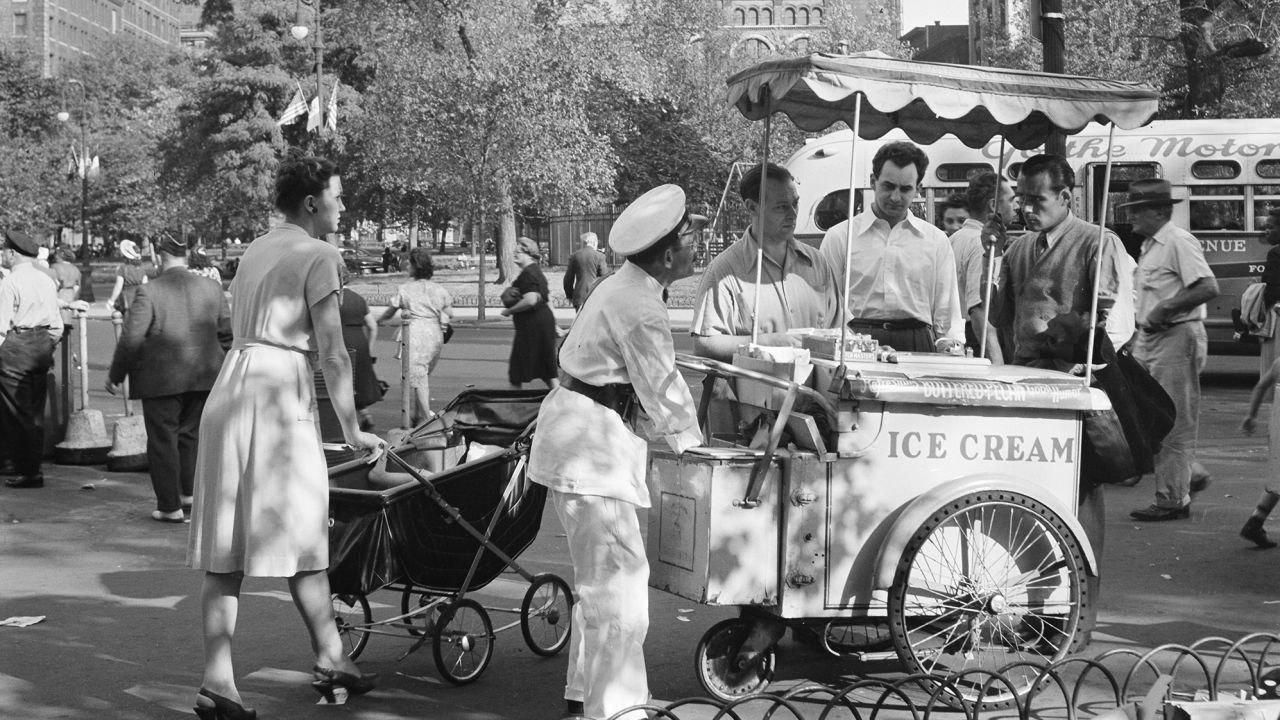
(331, 118)
(313, 114)
(296, 108)
(94, 170)
(73, 164)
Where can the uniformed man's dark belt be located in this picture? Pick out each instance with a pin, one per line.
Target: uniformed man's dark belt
(618, 397)
(907, 324)
(39, 328)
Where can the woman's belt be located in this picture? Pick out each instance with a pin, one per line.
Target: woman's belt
(905, 324)
(618, 397)
(242, 343)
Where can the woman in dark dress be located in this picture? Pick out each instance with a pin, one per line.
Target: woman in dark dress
(533, 352)
(359, 327)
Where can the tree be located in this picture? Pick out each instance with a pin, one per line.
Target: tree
(34, 148)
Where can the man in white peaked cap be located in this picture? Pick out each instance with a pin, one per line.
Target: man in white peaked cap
(618, 385)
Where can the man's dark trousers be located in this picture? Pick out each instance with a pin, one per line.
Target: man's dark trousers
(25, 359)
(173, 431)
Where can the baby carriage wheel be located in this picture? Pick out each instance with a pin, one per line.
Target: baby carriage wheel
(421, 621)
(463, 642)
(353, 617)
(721, 672)
(546, 614)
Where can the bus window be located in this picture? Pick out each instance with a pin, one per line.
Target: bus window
(832, 209)
(1265, 197)
(1122, 174)
(961, 172)
(1269, 169)
(1215, 169)
(1217, 207)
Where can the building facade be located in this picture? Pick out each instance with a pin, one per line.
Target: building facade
(769, 26)
(63, 32)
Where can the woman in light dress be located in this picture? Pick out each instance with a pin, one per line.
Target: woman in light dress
(429, 308)
(261, 506)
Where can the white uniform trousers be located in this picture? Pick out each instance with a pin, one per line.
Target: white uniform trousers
(611, 616)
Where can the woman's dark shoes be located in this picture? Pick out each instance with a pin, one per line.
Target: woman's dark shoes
(211, 706)
(1253, 532)
(26, 481)
(326, 680)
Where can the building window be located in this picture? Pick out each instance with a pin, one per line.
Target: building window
(739, 17)
(767, 15)
(804, 16)
(816, 18)
(789, 16)
(20, 24)
(755, 16)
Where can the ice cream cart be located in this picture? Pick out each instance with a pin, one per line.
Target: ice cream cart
(933, 494)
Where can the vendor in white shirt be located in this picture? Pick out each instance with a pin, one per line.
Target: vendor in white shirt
(902, 287)
(590, 447)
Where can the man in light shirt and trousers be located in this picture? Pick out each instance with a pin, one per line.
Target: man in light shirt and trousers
(1173, 282)
(619, 385)
(902, 284)
(30, 326)
(989, 198)
(798, 288)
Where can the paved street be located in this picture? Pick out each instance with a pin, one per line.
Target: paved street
(121, 635)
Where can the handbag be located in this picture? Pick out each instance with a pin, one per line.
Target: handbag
(447, 329)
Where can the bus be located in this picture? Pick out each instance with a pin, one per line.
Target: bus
(1226, 172)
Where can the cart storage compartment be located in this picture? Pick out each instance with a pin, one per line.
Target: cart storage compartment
(702, 546)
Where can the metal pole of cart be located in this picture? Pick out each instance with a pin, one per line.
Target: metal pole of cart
(758, 230)
(1102, 254)
(848, 246)
(991, 264)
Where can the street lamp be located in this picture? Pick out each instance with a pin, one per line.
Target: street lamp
(300, 32)
(83, 168)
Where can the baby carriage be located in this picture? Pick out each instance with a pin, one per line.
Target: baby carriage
(443, 515)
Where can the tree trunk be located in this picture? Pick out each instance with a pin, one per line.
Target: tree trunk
(413, 228)
(505, 246)
(1205, 82)
(477, 241)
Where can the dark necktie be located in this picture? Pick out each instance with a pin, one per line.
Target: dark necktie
(1042, 244)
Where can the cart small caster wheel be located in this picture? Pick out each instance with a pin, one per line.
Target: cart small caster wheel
(721, 672)
(463, 642)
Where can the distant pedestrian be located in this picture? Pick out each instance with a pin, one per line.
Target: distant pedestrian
(586, 266)
(955, 210)
(533, 350)
(359, 328)
(30, 326)
(42, 263)
(199, 263)
(129, 277)
(174, 339)
(68, 275)
(1174, 281)
(429, 308)
(1253, 530)
(390, 262)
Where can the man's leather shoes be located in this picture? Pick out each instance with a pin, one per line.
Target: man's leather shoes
(1155, 513)
(26, 481)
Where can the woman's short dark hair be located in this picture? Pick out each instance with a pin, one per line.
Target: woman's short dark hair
(421, 266)
(299, 177)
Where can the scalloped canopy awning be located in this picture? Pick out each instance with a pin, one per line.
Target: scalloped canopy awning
(929, 100)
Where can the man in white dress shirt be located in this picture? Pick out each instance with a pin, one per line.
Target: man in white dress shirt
(902, 284)
(619, 384)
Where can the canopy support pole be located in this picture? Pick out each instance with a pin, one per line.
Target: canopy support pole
(991, 262)
(1102, 254)
(848, 226)
(758, 228)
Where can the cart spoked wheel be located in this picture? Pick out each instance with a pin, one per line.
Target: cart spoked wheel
(725, 675)
(546, 614)
(420, 622)
(990, 579)
(353, 617)
(463, 642)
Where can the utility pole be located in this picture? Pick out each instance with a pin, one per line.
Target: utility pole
(1052, 25)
